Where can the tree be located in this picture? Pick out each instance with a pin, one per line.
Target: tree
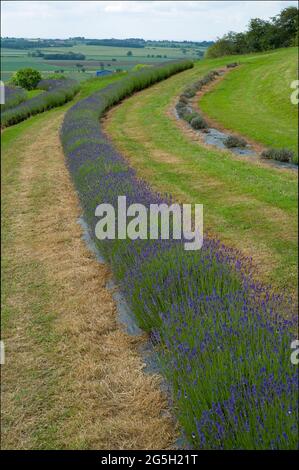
(222, 46)
(287, 26)
(280, 31)
(27, 78)
(129, 53)
(259, 35)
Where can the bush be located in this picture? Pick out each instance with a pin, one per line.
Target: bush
(189, 93)
(27, 78)
(181, 109)
(281, 155)
(198, 122)
(234, 141)
(183, 99)
(188, 116)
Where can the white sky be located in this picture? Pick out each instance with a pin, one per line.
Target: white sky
(176, 20)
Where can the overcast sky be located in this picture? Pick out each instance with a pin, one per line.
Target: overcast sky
(177, 20)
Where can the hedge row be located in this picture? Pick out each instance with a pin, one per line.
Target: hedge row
(223, 340)
(57, 92)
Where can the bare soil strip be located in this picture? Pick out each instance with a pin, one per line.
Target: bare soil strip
(72, 378)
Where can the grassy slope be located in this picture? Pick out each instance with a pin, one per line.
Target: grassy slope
(58, 320)
(249, 206)
(255, 99)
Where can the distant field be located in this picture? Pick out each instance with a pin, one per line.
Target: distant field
(14, 59)
(254, 99)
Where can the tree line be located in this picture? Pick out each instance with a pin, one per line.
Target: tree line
(57, 55)
(261, 35)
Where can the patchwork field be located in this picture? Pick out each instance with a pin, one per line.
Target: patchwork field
(14, 59)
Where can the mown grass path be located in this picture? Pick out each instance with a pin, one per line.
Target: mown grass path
(249, 206)
(72, 378)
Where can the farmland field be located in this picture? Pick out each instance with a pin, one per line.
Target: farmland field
(14, 59)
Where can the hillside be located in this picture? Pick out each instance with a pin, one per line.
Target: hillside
(254, 99)
(248, 205)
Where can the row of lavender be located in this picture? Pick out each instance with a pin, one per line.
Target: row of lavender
(223, 340)
(13, 96)
(57, 92)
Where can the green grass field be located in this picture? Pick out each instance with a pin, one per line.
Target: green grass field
(254, 99)
(248, 205)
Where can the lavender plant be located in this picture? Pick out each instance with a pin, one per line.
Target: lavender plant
(57, 92)
(13, 97)
(223, 340)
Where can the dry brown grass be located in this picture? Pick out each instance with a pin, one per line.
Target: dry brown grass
(72, 378)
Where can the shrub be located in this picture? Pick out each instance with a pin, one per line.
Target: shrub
(188, 116)
(27, 78)
(281, 155)
(181, 109)
(234, 141)
(183, 99)
(198, 122)
(189, 93)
